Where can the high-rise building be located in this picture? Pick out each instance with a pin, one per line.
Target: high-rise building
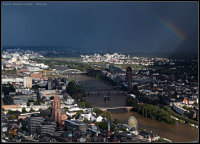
(27, 82)
(56, 109)
(129, 74)
(50, 84)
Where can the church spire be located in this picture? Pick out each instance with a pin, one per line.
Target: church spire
(56, 108)
(56, 96)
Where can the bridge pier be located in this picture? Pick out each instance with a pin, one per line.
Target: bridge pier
(104, 110)
(128, 109)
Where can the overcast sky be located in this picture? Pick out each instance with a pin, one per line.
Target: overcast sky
(130, 26)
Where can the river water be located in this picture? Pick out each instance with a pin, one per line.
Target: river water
(176, 133)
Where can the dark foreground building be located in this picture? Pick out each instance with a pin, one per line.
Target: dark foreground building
(34, 123)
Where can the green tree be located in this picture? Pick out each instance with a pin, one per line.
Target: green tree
(14, 116)
(52, 97)
(77, 115)
(87, 104)
(66, 109)
(104, 126)
(85, 120)
(35, 87)
(162, 140)
(186, 113)
(187, 108)
(116, 121)
(24, 110)
(122, 129)
(154, 112)
(37, 102)
(31, 110)
(135, 90)
(24, 128)
(195, 103)
(81, 104)
(98, 111)
(82, 99)
(107, 115)
(73, 88)
(13, 112)
(130, 101)
(30, 100)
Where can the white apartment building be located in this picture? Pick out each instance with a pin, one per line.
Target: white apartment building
(27, 82)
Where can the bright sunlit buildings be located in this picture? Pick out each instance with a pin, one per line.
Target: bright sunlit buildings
(27, 82)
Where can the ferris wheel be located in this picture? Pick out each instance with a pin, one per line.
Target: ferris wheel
(132, 122)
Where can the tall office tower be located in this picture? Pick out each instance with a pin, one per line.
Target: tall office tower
(27, 82)
(56, 109)
(129, 74)
(50, 84)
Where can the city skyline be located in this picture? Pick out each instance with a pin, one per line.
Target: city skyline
(89, 97)
(100, 72)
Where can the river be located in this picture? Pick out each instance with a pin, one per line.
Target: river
(176, 133)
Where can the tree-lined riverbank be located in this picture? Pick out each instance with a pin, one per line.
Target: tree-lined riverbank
(177, 133)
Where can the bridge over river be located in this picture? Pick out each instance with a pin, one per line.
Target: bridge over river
(128, 108)
(96, 89)
(107, 92)
(176, 133)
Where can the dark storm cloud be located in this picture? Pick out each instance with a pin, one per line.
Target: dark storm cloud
(126, 26)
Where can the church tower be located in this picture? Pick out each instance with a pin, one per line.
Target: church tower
(56, 109)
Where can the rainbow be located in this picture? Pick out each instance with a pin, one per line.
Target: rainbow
(171, 28)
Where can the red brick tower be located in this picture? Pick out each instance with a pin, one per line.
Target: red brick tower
(56, 109)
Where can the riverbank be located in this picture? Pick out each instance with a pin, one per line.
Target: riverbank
(177, 133)
(181, 118)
